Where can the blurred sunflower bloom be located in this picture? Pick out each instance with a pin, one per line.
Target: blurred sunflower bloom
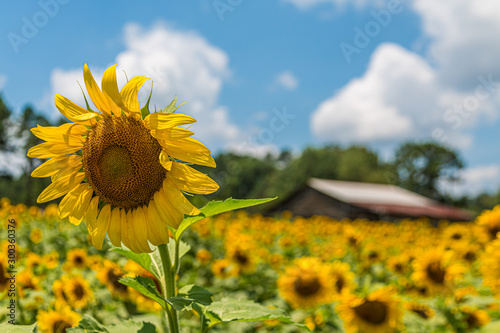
(118, 168)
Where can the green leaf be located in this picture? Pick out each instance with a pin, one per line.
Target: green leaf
(90, 325)
(172, 107)
(188, 295)
(217, 207)
(183, 249)
(9, 328)
(145, 109)
(143, 259)
(145, 286)
(239, 311)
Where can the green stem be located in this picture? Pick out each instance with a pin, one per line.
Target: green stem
(169, 285)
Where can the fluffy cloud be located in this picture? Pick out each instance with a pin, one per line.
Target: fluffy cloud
(403, 96)
(181, 64)
(474, 181)
(399, 97)
(286, 80)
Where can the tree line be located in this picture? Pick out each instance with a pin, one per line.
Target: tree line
(416, 166)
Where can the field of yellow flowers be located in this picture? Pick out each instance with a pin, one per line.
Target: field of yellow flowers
(332, 276)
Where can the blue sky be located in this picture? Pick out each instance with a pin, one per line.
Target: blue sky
(266, 75)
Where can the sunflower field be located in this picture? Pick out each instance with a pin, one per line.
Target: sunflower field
(323, 275)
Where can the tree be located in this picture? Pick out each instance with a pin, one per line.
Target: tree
(5, 117)
(421, 166)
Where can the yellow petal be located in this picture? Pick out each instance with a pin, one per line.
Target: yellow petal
(81, 205)
(68, 170)
(189, 150)
(110, 88)
(49, 150)
(124, 228)
(190, 180)
(152, 236)
(91, 214)
(69, 133)
(101, 227)
(159, 226)
(174, 133)
(67, 204)
(95, 92)
(140, 228)
(74, 112)
(132, 238)
(165, 161)
(178, 200)
(162, 207)
(60, 187)
(130, 93)
(114, 231)
(160, 120)
(55, 164)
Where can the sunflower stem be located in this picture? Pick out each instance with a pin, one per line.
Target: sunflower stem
(169, 275)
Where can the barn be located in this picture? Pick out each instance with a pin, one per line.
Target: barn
(342, 199)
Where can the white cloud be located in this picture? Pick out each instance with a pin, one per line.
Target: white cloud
(399, 97)
(181, 64)
(286, 80)
(475, 181)
(463, 39)
(3, 81)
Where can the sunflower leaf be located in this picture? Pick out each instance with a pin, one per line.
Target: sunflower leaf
(145, 286)
(142, 259)
(188, 296)
(214, 208)
(171, 107)
(244, 311)
(90, 325)
(183, 249)
(9, 328)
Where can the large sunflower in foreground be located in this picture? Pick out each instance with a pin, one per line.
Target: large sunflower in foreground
(119, 168)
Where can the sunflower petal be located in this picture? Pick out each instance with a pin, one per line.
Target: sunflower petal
(60, 187)
(178, 200)
(161, 205)
(189, 150)
(114, 231)
(134, 246)
(140, 228)
(101, 227)
(110, 88)
(165, 161)
(95, 92)
(69, 133)
(55, 164)
(190, 180)
(67, 204)
(159, 226)
(74, 112)
(174, 133)
(81, 204)
(130, 93)
(49, 150)
(124, 228)
(91, 214)
(160, 120)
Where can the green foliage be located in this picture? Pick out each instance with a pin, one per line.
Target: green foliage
(9, 328)
(214, 208)
(188, 295)
(90, 325)
(145, 286)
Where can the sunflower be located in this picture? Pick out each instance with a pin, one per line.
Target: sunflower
(36, 235)
(203, 256)
(474, 318)
(490, 267)
(76, 259)
(422, 310)
(223, 269)
(77, 291)
(109, 274)
(119, 168)
(343, 277)
(435, 271)
(57, 321)
(307, 283)
(378, 312)
(4, 275)
(489, 221)
(51, 259)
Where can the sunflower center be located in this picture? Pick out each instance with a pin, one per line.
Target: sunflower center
(3, 278)
(307, 286)
(241, 258)
(340, 284)
(374, 312)
(78, 291)
(121, 162)
(435, 272)
(422, 313)
(60, 326)
(113, 279)
(493, 231)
